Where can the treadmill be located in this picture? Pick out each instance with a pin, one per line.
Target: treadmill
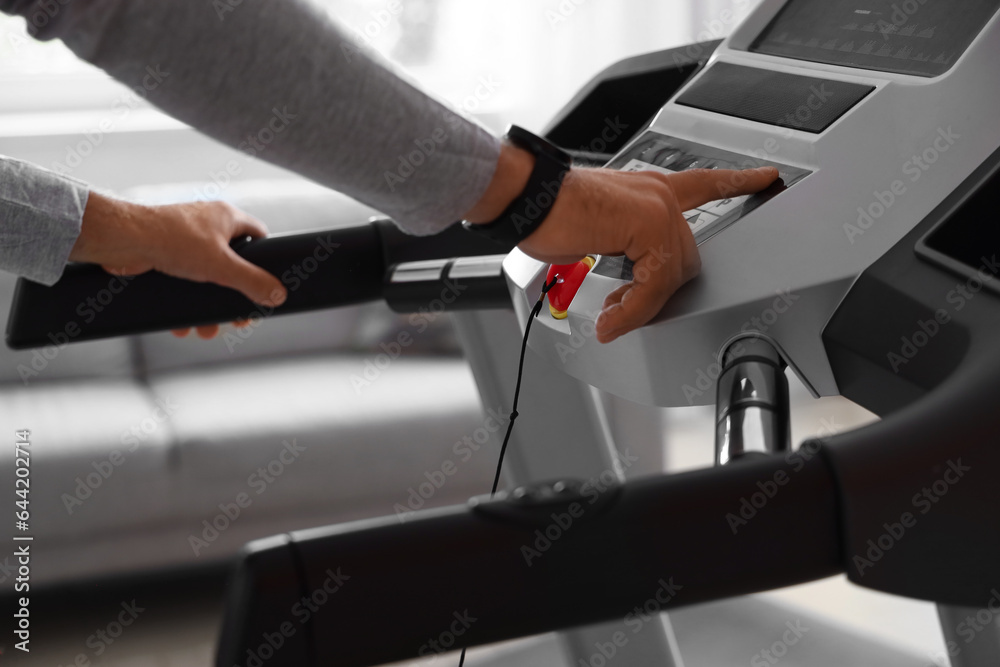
(870, 271)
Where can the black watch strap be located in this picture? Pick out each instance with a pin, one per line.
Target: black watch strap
(529, 209)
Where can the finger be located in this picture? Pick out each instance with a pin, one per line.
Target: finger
(241, 324)
(635, 304)
(607, 327)
(247, 225)
(657, 274)
(181, 333)
(254, 282)
(697, 187)
(690, 257)
(620, 318)
(553, 258)
(615, 297)
(207, 331)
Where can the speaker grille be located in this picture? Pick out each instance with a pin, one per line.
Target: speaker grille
(803, 103)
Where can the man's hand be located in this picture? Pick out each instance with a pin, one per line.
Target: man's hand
(636, 214)
(189, 241)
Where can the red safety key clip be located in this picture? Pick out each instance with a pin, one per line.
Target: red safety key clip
(564, 291)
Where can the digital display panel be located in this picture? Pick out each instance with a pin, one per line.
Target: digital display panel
(920, 37)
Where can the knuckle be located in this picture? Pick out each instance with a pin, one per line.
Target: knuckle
(669, 194)
(665, 195)
(226, 209)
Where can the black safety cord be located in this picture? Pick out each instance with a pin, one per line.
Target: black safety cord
(517, 392)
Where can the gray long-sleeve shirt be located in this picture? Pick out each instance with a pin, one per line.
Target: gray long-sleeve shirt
(274, 78)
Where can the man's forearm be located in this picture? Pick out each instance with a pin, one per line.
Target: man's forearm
(280, 81)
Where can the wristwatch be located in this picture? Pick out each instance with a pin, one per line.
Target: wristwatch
(529, 209)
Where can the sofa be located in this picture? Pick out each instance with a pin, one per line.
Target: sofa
(153, 452)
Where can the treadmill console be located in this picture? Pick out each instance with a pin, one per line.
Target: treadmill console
(873, 113)
(669, 155)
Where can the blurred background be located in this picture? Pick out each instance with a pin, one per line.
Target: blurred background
(535, 55)
(289, 379)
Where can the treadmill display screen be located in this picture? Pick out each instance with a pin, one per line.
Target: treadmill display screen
(921, 37)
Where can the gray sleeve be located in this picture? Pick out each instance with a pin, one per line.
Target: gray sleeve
(279, 80)
(40, 217)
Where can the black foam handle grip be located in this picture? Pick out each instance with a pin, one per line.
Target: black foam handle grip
(383, 590)
(321, 269)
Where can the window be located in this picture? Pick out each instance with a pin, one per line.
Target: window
(524, 59)
(499, 59)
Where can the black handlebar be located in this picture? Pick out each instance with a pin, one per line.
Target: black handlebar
(548, 560)
(323, 269)
(560, 555)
